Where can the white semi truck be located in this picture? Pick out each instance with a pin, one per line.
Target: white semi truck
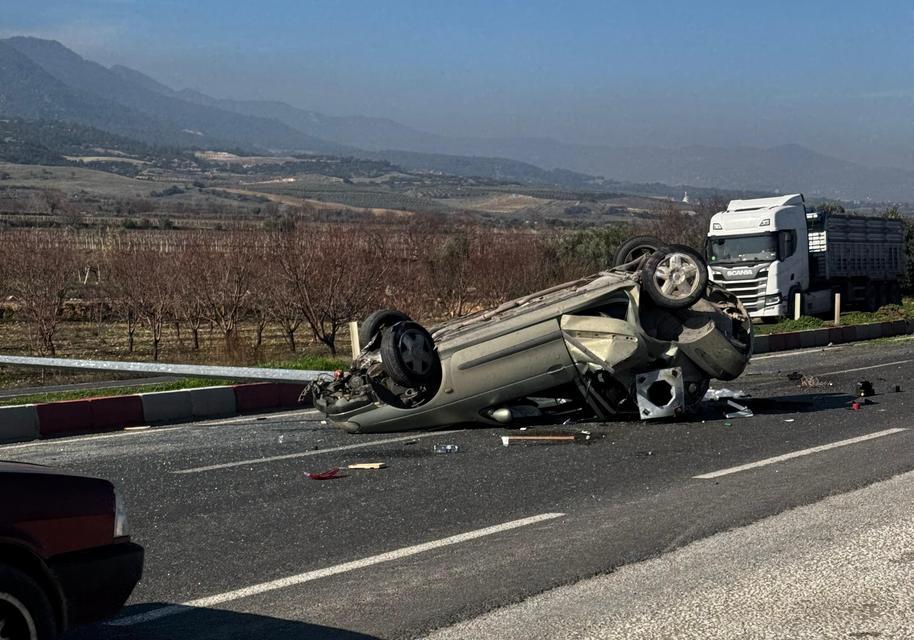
(767, 250)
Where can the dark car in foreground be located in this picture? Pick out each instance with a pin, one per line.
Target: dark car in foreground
(65, 556)
(642, 338)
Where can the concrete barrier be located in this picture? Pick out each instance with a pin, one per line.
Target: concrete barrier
(166, 406)
(289, 394)
(56, 419)
(18, 423)
(256, 397)
(829, 335)
(116, 412)
(212, 402)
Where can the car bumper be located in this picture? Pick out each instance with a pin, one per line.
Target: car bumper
(97, 582)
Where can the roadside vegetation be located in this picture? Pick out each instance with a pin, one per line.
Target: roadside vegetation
(889, 312)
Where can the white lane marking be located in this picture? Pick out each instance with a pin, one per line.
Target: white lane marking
(261, 417)
(797, 454)
(315, 452)
(301, 578)
(789, 354)
(147, 429)
(874, 366)
(80, 439)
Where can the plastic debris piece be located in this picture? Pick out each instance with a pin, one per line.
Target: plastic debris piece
(445, 448)
(811, 382)
(855, 406)
(330, 474)
(507, 440)
(724, 394)
(789, 420)
(368, 465)
(865, 389)
(741, 411)
(897, 388)
(728, 424)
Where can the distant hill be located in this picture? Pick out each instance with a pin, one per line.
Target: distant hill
(43, 80)
(72, 87)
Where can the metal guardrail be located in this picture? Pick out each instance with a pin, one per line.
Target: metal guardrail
(181, 370)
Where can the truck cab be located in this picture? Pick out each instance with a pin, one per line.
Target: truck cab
(756, 249)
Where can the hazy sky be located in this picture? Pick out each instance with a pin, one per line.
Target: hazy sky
(834, 75)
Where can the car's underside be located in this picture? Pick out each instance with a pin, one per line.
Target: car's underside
(612, 344)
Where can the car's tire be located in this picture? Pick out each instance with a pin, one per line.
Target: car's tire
(636, 247)
(376, 321)
(675, 277)
(25, 611)
(408, 354)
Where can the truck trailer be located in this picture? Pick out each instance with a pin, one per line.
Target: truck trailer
(767, 250)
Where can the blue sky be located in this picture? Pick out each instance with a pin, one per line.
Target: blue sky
(838, 76)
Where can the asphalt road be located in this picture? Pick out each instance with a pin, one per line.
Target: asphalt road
(240, 543)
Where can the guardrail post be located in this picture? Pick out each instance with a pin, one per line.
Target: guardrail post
(354, 339)
(837, 308)
(796, 306)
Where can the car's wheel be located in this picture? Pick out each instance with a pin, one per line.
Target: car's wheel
(375, 322)
(635, 248)
(408, 354)
(25, 612)
(675, 277)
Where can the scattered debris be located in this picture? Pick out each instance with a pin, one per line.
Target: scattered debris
(897, 388)
(796, 375)
(584, 436)
(865, 389)
(445, 448)
(855, 406)
(728, 424)
(368, 465)
(811, 382)
(724, 394)
(789, 420)
(330, 474)
(741, 411)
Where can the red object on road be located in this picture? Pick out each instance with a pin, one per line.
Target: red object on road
(855, 406)
(326, 475)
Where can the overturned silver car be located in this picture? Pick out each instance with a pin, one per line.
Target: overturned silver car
(643, 338)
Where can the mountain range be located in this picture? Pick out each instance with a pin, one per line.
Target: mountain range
(42, 79)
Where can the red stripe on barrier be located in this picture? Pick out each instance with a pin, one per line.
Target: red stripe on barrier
(64, 418)
(289, 393)
(256, 397)
(116, 412)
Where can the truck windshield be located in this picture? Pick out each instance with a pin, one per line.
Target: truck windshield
(743, 248)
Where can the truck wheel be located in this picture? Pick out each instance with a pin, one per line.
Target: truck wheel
(408, 354)
(25, 612)
(675, 277)
(376, 321)
(635, 248)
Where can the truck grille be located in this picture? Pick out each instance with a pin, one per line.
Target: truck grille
(750, 292)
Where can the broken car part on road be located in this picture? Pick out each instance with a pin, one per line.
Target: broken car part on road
(645, 338)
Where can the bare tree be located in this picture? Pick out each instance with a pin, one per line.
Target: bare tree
(225, 274)
(40, 271)
(333, 277)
